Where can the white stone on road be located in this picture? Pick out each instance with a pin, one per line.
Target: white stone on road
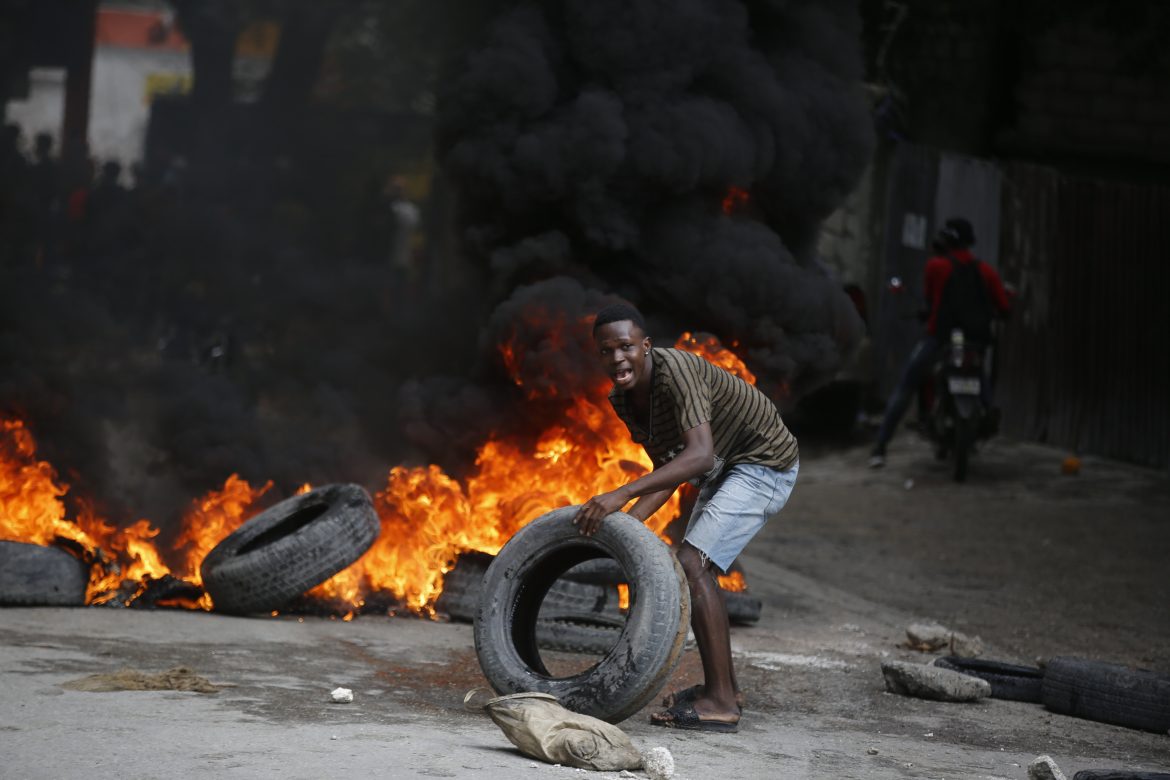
(932, 682)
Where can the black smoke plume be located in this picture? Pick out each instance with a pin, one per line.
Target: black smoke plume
(592, 143)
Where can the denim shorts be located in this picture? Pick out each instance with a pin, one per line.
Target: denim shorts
(730, 511)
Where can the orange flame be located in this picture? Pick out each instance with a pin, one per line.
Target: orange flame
(735, 199)
(708, 346)
(733, 581)
(428, 518)
(211, 518)
(31, 509)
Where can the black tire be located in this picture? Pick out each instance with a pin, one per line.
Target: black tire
(646, 651)
(32, 575)
(1109, 693)
(743, 609)
(288, 549)
(463, 586)
(1008, 681)
(964, 442)
(577, 636)
(574, 632)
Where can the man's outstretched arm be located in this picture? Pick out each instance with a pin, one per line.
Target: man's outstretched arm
(650, 503)
(697, 458)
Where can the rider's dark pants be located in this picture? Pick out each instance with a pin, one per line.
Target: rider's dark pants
(921, 359)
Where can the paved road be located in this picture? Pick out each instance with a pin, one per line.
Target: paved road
(1035, 563)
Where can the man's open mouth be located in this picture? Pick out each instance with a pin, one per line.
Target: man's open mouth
(622, 374)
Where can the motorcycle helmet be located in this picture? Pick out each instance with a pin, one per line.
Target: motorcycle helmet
(956, 233)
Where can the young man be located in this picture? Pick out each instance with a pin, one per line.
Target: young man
(701, 424)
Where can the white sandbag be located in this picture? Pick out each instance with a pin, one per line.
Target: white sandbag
(540, 727)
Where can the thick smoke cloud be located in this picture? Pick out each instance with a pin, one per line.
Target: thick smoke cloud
(552, 361)
(595, 141)
(114, 370)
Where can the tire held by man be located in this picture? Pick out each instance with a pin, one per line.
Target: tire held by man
(644, 654)
(289, 548)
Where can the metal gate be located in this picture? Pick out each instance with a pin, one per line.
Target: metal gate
(911, 181)
(1085, 362)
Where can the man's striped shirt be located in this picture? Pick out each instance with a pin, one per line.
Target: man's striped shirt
(687, 391)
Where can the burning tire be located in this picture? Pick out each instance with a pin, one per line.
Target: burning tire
(743, 609)
(642, 656)
(289, 548)
(32, 575)
(463, 586)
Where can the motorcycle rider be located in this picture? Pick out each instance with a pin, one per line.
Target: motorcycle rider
(960, 291)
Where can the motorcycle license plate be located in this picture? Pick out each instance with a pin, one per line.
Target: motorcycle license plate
(963, 385)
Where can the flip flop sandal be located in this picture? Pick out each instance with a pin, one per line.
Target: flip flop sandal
(688, 695)
(683, 716)
(684, 696)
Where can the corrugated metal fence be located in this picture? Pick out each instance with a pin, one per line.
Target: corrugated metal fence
(1085, 358)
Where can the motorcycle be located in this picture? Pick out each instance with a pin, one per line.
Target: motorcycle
(957, 415)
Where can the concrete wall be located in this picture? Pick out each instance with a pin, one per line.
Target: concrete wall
(845, 243)
(123, 79)
(44, 108)
(122, 82)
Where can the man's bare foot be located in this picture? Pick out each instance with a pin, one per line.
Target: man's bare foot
(688, 695)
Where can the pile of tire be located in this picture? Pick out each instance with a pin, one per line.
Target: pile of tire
(1093, 690)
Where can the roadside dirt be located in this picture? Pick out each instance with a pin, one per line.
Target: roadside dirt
(1037, 562)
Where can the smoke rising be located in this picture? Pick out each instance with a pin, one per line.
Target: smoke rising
(595, 142)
